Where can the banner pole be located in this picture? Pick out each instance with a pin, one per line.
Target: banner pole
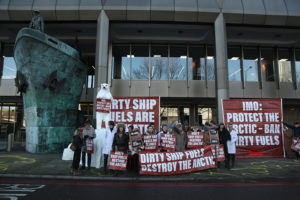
(282, 134)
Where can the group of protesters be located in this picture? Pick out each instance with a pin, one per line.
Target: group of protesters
(117, 138)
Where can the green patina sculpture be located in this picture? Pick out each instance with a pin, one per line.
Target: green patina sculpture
(50, 77)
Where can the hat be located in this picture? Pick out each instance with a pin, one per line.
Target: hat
(36, 11)
(296, 123)
(111, 123)
(121, 125)
(131, 126)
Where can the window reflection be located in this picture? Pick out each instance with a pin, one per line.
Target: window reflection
(267, 64)
(234, 64)
(297, 63)
(196, 63)
(250, 63)
(178, 63)
(159, 63)
(140, 62)
(210, 63)
(284, 65)
(120, 62)
(9, 68)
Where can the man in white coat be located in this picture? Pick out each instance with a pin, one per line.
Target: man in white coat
(109, 137)
(231, 145)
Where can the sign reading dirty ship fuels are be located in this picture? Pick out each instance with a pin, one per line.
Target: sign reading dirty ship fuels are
(258, 123)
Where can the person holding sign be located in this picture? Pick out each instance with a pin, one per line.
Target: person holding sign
(164, 130)
(121, 139)
(88, 134)
(224, 136)
(181, 138)
(231, 145)
(150, 140)
(109, 136)
(296, 131)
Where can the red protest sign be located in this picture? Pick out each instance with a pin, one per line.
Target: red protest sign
(135, 140)
(296, 144)
(118, 160)
(220, 150)
(103, 105)
(168, 163)
(151, 142)
(136, 111)
(258, 123)
(168, 141)
(195, 139)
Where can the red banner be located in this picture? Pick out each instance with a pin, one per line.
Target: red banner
(258, 123)
(168, 163)
(168, 141)
(151, 142)
(220, 150)
(136, 111)
(118, 160)
(103, 105)
(296, 144)
(195, 139)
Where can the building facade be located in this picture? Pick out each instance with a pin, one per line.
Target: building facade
(191, 53)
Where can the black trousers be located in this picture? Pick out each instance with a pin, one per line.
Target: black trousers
(232, 158)
(89, 155)
(105, 161)
(76, 159)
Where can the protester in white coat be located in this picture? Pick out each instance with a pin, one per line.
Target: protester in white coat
(109, 137)
(231, 145)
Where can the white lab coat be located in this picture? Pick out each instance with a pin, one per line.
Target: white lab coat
(231, 143)
(109, 137)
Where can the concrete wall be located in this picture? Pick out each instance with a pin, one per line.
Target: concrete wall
(262, 12)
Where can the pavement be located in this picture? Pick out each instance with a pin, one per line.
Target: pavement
(21, 164)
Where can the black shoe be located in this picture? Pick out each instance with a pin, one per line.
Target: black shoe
(82, 168)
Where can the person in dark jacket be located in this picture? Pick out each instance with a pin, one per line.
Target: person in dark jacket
(224, 136)
(77, 142)
(121, 139)
(295, 128)
(296, 132)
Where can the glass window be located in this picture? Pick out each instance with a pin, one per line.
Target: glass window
(267, 64)
(250, 64)
(91, 81)
(9, 68)
(120, 62)
(234, 64)
(297, 63)
(204, 115)
(284, 65)
(210, 63)
(178, 63)
(140, 62)
(159, 63)
(196, 63)
(12, 113)
(5, 114)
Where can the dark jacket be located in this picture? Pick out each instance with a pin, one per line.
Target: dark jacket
(296, 130)
(77, 141)
(224, 136)
(121, 141)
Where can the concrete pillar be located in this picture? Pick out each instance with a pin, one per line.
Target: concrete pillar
(222, 86)
(1, 61)
(101, 63)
